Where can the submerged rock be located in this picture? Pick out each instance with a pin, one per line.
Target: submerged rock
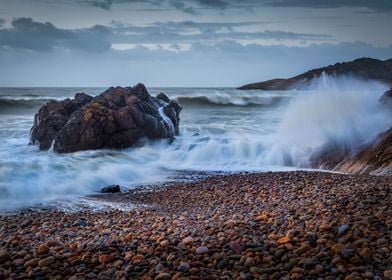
(117, 118)
(111, 189)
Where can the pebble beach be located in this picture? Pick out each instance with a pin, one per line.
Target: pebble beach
(280, 225)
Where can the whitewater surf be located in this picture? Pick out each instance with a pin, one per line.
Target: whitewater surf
(220, 130)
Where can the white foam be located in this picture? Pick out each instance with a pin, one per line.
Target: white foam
(338, 110)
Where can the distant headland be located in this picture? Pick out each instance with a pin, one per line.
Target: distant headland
(365, 68)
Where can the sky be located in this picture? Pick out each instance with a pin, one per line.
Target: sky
(190, 43)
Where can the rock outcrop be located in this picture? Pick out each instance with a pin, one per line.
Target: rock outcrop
(374, 158)
(365, 68)
(117, 118)
(52, 117)
(386, 98)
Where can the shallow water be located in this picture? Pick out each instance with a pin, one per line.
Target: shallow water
(221, 129)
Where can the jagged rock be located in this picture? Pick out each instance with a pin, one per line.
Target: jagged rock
(52, 117)
(117, 118)
(365, 68)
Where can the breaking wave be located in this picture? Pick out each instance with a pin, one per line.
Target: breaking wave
(228, 100)
(238, 131)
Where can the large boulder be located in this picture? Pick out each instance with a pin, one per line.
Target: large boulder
(52, 117)
(117, 118)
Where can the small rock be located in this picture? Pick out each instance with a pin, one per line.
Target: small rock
(19, 262)
(283, 240)
(325, 227)
(194, 270)
(347, 253)
(137, 259)
(262, 217)
(4, 256)
(163, 276)
(47, 261)
(366, 254)
(202, 250)
(319, 268)
(42, 249)
(118, 264)
(187, 240)
(249, 262)
(342, 229)
(183, 267)
(302, 249)
(222, 264)
(337, 248)
(279, 254)
(388, 274)
(82, 223)
(32, 263)
(235, 246)
(105, 258)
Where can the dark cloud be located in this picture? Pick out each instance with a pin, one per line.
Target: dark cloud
(219, 4)
(192, 6)
(374, 5)
(187, 6)
(25, 33)
(195, 6)
(190, 32)
(180, 5)
(226, 63)
(2, 22)
(103, 4)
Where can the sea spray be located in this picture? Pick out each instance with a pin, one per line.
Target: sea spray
(219, 136)
(340, 111)
(168, 124)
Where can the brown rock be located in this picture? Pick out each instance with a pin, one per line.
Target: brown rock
(163, 276)
(388, 274)
(32, 263)
(366, 254)
(235, 246)
(302, 249)
(4, 256)
(283, 240)
(337, 248)
(325, 227)
(42, 249)
(47, 261)
(137, 259)
(249, 262)
(105, 258)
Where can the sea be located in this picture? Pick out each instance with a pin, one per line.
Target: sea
(221, 130)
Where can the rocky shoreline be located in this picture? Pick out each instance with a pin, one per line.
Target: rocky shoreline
(283, 225)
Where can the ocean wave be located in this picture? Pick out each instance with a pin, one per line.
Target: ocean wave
(24, 103)
(228, 100)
